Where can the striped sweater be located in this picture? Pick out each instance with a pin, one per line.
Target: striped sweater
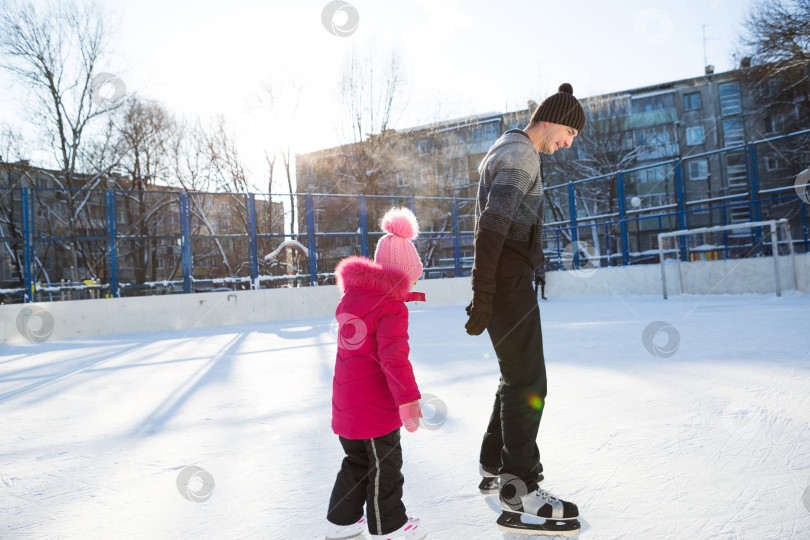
(508, 212)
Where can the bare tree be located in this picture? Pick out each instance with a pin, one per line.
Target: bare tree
(438, 166)
(14, 174)
(144, 129)
(12, 147)
(370, 94)
(189, 158)
(271, 167)
(227, 168)
(54, 52)
(776, 39)
(277, 105)
(285, 159)
(777, 34)
(197, 165)
(230, 174)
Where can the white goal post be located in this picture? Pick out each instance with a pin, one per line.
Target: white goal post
(774, 224)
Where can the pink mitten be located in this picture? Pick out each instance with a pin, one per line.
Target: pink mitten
(410, 413)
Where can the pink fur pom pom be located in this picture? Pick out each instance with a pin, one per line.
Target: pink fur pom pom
(400, 222)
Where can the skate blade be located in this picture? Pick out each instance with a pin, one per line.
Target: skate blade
(489, 485)
(350, 535)
(515, 523)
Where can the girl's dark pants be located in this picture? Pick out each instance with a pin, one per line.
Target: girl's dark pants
(371, 475)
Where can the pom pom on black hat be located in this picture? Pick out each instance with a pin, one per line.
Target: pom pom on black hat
(567, 88)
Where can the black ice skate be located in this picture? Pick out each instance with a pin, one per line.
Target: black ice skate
(490, 483)
(536, 513)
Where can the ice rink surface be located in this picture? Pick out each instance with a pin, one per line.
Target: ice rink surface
(697, 428)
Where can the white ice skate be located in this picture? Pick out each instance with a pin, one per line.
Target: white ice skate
(410, 531)
(537, 513)
(344, 532)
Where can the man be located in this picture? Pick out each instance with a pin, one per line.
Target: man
(507, 250)
(540, 277)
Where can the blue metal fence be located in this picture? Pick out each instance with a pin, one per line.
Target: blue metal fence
(206, 227)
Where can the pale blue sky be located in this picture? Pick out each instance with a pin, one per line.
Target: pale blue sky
(458, 57)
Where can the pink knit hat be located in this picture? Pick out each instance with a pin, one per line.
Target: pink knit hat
(395, 249)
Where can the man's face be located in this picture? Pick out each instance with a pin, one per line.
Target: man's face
(559, 136)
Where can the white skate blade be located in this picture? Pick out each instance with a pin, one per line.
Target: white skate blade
(355, 535)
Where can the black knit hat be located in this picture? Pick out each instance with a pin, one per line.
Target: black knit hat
(561, 108)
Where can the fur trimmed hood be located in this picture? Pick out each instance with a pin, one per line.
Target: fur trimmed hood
(361, 272)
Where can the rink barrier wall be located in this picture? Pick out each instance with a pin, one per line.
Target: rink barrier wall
(88, 318)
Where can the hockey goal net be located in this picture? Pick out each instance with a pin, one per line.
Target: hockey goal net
(734, 241)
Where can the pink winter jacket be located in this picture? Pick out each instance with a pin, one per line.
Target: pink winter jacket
(373, 375)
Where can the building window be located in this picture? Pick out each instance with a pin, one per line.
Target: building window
(733, 131)
(736, 169)
(484, 132)
(402, 180)
(426, 146)
(656, 142)
(627, 140)
(651, 174)
(424, 176)
(730, 99)
(771, 163)
(608, 108)
(698, 169)
(695, 135)
(691, 101)
(452, 171)
(774, 123)
(770, 87)
(206, 262)
(653, 103)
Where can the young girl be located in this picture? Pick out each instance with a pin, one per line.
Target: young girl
(374, 391)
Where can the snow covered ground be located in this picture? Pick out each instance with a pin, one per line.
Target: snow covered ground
(706, 439)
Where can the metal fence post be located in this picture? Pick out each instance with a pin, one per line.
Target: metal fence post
(363, 226)
(754, 182)
(313, 265)
(681, 206)
(456, 247)
(254, 247)
(27, 251)
(112, 231)
(623, 221)
(184, 226)
(572, 208)
(559, 253)
(753, 187)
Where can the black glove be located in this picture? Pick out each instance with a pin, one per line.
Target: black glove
(480, 312)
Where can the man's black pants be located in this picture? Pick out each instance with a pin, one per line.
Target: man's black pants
(510, 442)
(371, 475)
